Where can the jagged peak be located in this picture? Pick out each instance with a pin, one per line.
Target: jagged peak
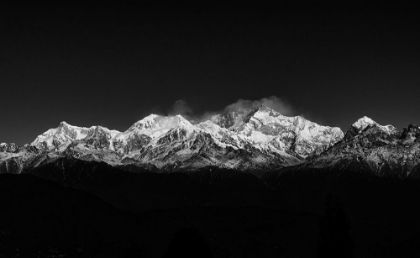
(365, 122)
(94, 127)
(100, 127)
(263, 111)
(63, 123)
(149, 117)
(146, 120)
(238, 118)
(154, 121)
(64, 130)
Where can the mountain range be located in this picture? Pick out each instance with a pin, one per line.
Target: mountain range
(256, 140)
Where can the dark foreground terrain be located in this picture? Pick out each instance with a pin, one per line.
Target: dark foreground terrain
(113, 213)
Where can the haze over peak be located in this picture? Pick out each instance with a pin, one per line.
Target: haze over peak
(183, 108)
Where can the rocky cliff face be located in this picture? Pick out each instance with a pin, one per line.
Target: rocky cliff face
(15, 159)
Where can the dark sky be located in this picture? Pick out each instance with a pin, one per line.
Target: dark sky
(113, 65)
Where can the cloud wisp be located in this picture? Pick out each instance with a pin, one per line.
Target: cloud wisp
(272, 102)
(181, 107)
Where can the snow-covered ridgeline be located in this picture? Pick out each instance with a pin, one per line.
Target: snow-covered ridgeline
(256, 138)
(65, 134)
(234, 138)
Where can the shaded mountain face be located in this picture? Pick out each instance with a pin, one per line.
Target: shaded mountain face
(144, 190)
(248, 139)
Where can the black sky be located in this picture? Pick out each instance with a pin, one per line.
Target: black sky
(113, 65)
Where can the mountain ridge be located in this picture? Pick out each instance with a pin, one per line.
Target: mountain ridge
(250, 139)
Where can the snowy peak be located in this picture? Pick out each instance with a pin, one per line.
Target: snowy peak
(262, 125)
(366, 122)
(65, 134)
(148, 131)
(363, 122)
(261, 115)
(261, 118)
(73, 132)
(63, 123)
(145, 123)
(155, 122)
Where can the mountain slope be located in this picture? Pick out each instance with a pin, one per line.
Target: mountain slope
(145, 190)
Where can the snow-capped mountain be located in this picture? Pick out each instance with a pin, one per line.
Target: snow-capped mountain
(65, 134)
(370, 147)
(249, 139)
(264, 125)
